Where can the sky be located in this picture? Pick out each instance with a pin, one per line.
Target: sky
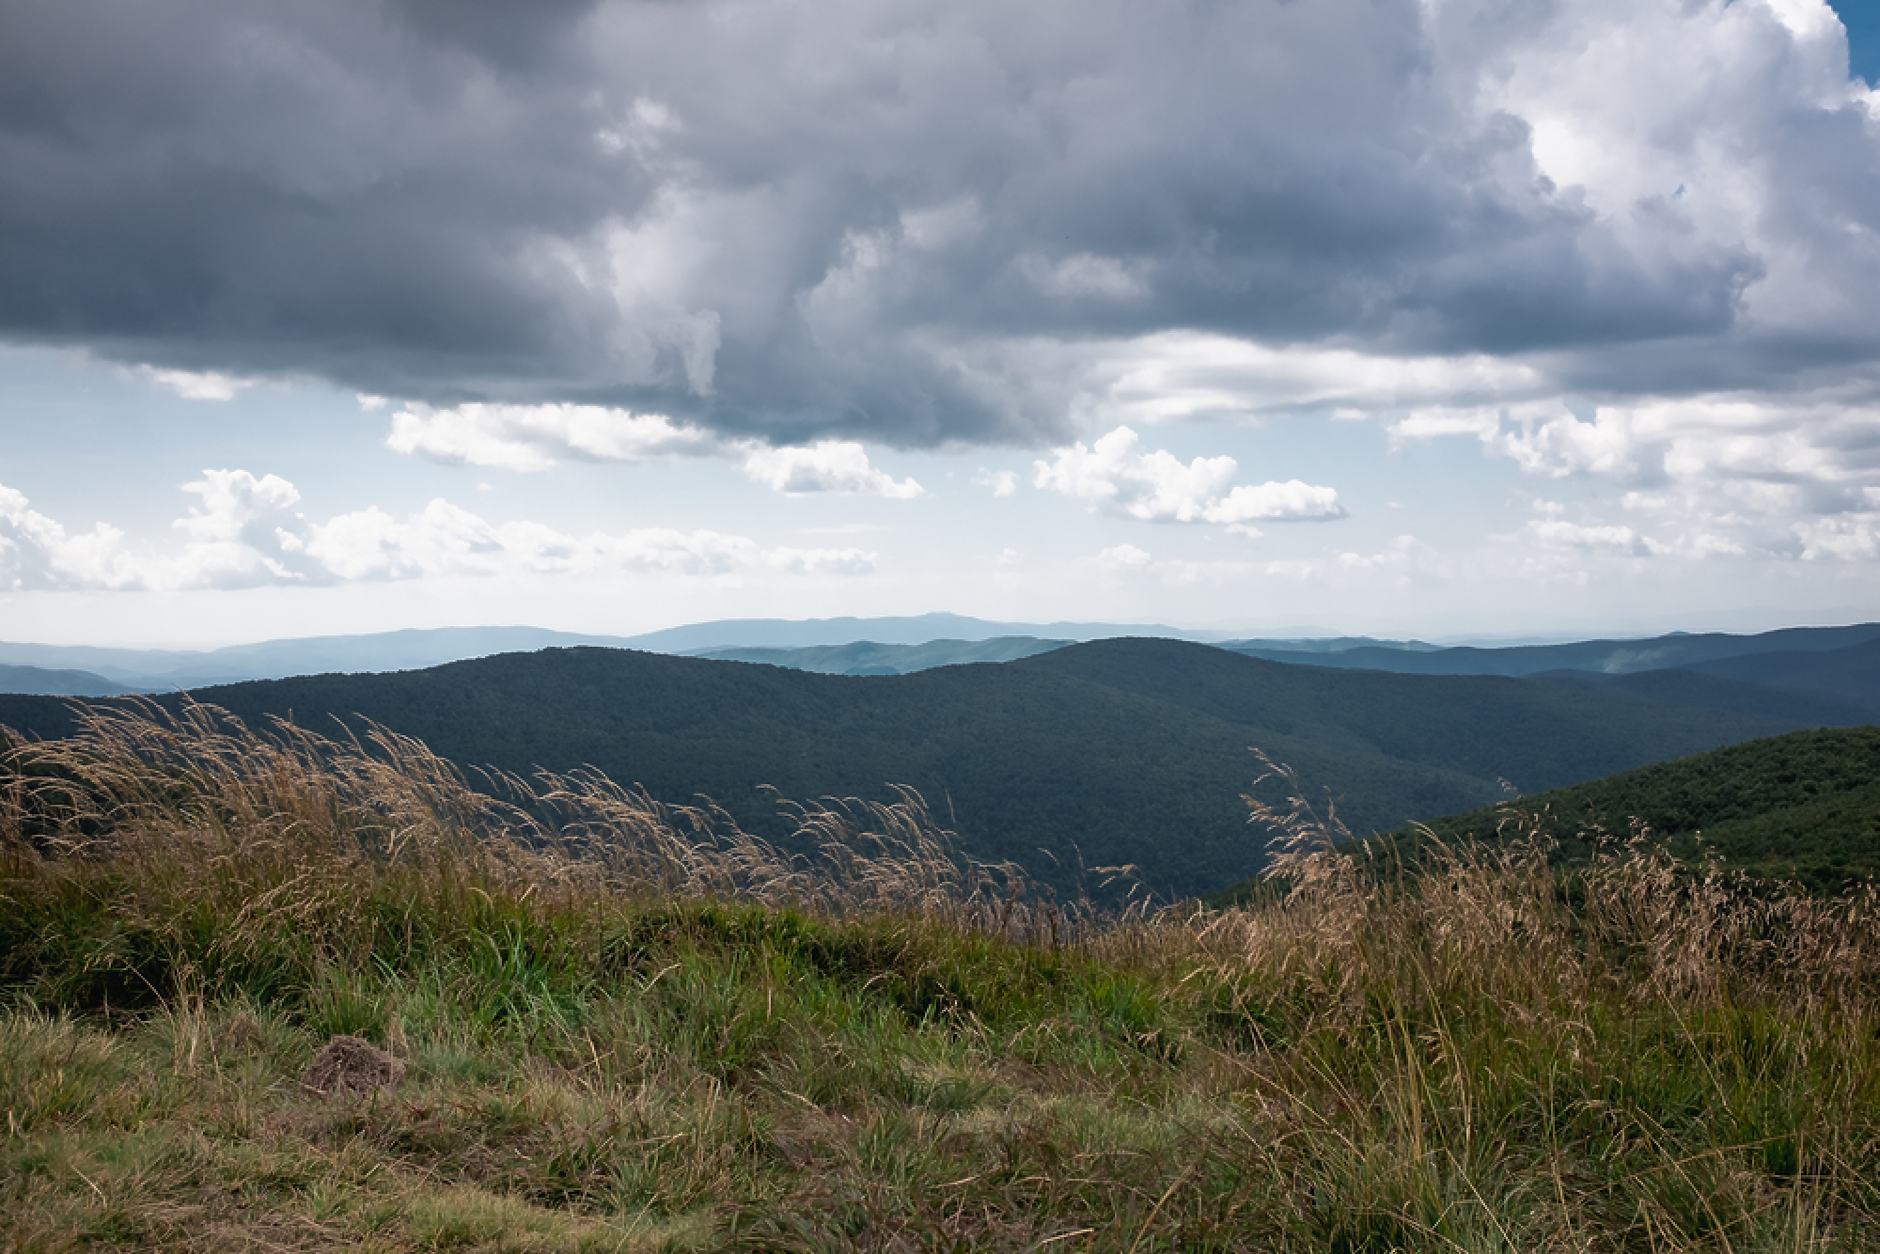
(1456, 319)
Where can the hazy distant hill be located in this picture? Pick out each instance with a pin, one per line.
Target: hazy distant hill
(820, 644)
(1131, 750)
(1849, 672)
(166, 669)
(778, 633)
(868, 658)
(38, 680)
(1697, 690)
(1604, 656)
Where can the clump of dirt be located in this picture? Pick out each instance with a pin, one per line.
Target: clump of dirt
(348, 1064)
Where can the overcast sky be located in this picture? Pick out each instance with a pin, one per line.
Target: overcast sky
(1451, 318)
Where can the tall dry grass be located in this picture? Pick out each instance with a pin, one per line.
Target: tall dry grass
(1503, 919)
(632, 1013)
(288, 819)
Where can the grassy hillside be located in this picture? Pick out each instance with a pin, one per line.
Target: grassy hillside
(1804, 807)
(1119, 751)
(614, 1039)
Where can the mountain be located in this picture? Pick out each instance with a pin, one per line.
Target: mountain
(1698, 690)
(1114, 751)
(1603, 656)
(168, 669)
(865, 657)
(1283, 650)
(1803, 806)
(37, 680)
(777, 633)
(1850, 672)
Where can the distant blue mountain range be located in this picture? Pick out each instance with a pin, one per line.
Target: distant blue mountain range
(1841, 661)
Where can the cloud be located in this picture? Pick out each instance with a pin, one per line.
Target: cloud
(1124, 557)
(530, 437)
(823, 561)
(1115, 474)
(838, 466)
(192, 385)
(1001, 482)
(917, 223)
(36, 552)
(1721, 474)
(1619, 541)
(1400, 553)
(240, 533)
(444, 539)
(243, 532)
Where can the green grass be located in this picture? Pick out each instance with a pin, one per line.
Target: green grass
(629, 1029)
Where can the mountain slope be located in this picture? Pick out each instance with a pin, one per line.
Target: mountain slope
(1849, 672)
(779, 633)
(165, 669)
(1608, 656)
(40, 681)
(865, 657)
(1696, 689)
(1115, 751)
(1492, 728)
(1804, 805)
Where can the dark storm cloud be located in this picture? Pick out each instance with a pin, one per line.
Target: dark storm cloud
(856, 217)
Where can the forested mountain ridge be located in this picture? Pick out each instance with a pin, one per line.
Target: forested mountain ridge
(1701, 651)
(1117, 751)
(867, 657)
(46, 681)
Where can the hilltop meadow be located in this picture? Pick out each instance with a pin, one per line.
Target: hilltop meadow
(626, 1025)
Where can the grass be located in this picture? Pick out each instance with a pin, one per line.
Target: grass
(631, 1027)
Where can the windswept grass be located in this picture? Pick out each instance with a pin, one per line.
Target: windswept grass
(633, 1027)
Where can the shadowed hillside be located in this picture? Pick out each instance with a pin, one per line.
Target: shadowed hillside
(1804, 807)
(1118, 751)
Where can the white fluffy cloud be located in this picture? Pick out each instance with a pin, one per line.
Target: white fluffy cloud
(243, 532)
(530, 437)
(823, 561)
(1116, 475)
(839, 466)
(1125, 557)
(1000, 482)
(36, 552)
(1709, 475)
(1620, 541)
(193, 385)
